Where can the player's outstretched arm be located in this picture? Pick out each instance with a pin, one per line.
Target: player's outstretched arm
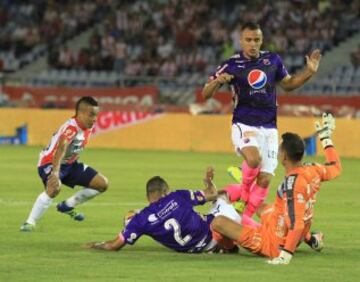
(112, 245)
(332, 167)
(214, 85)
(297, 80)
(210, 192)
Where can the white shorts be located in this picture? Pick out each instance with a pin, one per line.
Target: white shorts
(265, 139)
(222, 207)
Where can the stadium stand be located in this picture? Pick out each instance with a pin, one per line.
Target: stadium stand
(33, 28)
(171, 37)
(173, 44)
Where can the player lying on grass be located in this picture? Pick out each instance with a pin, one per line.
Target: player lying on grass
(170, 219)
(286, 223)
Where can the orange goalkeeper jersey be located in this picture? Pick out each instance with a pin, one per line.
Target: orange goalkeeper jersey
(298, 196)
(288, 219)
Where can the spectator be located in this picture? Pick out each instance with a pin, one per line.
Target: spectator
(355, 57)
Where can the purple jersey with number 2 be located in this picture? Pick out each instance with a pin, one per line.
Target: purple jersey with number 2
(253, 87)
(172, 222)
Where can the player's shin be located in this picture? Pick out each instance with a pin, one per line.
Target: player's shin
(40, 206)
(256, 198)
(81, 197)
(233, 191)
(249, 174)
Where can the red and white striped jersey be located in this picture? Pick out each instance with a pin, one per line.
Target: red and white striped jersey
(75, 134)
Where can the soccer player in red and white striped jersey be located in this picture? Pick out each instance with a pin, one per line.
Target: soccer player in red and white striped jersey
(58, 164)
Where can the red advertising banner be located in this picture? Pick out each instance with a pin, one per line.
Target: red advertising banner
(63, 97)
(110, 120)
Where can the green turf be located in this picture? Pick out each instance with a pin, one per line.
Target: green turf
(54, 252)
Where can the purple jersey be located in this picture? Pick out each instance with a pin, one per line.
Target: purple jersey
(172, 222)
(253, 87)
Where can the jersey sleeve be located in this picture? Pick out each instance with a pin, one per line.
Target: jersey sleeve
(133, 230)
(69, 133)
(224, 67)
(195, 198)
(296, 205)
(281, 71)
(332, 167)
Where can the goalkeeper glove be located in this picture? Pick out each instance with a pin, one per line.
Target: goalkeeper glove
(325, 129)
(283, 259)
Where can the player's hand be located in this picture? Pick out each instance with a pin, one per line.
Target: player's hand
(313, 61)
(224, 78)
(210, 191)
(325, 129)
(209, 176)
(94, 245)
(89, 245)
(283, 259)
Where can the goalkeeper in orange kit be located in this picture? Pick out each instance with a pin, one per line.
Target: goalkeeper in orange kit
(286, 223)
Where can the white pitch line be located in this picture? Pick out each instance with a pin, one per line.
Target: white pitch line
(7, 202)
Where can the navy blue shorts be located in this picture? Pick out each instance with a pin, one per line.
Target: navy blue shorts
(70, 174)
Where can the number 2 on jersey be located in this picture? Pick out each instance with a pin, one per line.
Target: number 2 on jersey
(175, 226)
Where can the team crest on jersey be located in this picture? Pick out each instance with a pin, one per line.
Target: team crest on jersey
(266, 62)
(257, 79)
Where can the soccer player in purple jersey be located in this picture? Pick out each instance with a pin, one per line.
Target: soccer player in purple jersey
(170, 219)
(252, 75)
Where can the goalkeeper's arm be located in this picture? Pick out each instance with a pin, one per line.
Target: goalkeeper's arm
(332, 167)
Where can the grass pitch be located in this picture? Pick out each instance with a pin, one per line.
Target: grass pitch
(54, 251)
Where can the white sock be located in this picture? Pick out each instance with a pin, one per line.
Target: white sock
(40, 206)
(81, 197)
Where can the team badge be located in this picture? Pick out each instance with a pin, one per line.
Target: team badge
(257, 79)
(266, 62)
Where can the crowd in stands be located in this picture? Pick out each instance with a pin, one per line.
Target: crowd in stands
(172, 37)
(29, 23)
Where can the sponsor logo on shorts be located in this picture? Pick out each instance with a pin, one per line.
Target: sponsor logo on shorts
(249, 134)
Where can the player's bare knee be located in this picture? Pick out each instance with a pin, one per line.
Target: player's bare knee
(251, 156)
(263, 181)
(104, 185)
(253, 162)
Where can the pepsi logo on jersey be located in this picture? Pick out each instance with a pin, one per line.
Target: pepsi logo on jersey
(257, 79)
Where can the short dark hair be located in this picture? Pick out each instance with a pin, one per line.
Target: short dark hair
(293, 145)
(250, 25)
(156, 184)
(86, 100)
